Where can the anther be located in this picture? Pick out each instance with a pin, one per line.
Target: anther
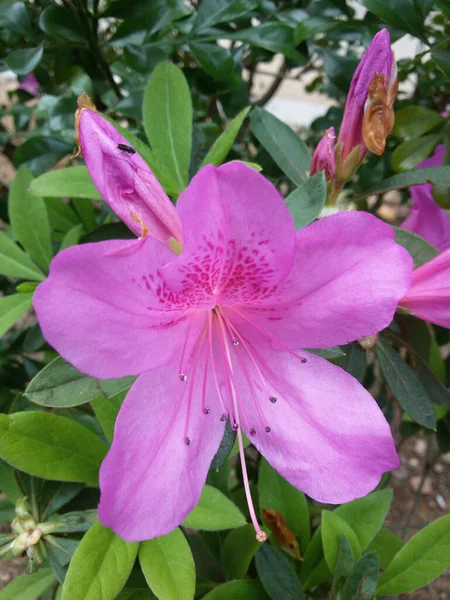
(303, 360)
(187, 441)
(252, 431)
(261, 536)
(273, 399)
(182, 376)
(235, 342)
(267, 429)
(207, 410)
(235, 426)
(224, 417)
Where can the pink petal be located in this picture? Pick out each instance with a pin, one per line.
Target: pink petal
(105, 309)
(239, 236)
(323, 157)
(429, 296)
(340, 288)
(151, 479)
(327, 435)
(125, 181)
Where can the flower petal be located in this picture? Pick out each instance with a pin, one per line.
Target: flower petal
(340, 288)
(125, 181)
(151, 478)
(105, 309)
(327, 435)
(239, 236)
(428, 219)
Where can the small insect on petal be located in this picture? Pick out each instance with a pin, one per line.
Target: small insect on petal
(125, 148)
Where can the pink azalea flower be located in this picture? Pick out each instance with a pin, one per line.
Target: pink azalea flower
(323, 157)
(429, 296)
(214, 333)
(30, 84)
(368, 114)
(427, 218)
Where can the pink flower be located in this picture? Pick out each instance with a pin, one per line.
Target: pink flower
(427, 218)
(30, 84)
(323, 157)
(429, 296)
(214, 334)
(368, 114)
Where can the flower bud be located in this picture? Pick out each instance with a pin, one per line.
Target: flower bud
(30, 84)
(123, 178)
(323, 157)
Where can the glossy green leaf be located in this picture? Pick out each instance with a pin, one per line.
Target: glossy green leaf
(354, 360)
(283, 145)
(14, 17)
(277, 576)
(366, 515)
(363, 581)
(386, 544)
(25, 60)
(333, 526)
(345, 562)
(28, 587)
(435, 175)
(168, 566)
(216, 60)
(76, 521)
(62, 216)
(222, 145)
(277, 494)
(29, 218)
(211, 12)
(226, 446)
(71, 182)
(420, 250)
(100, 566)
(327, 353)
(413, 121)
(214, 512)
(410, 153)
(12, 308)
(442, 61)
(405, 385)
(238, 549)
(51, 447)
(60, 385)
(167, 113)
(306, 202)
(407, 15)
(8, 483)
(41, 153)
(106, 410)
(72, 237)
(308, 28)
(247, 589)
(423, 558)
(62, 25)
(274, 36)
(15, 263)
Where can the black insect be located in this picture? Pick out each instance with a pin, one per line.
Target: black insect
(125, 148)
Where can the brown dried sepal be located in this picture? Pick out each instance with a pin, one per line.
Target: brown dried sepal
(379, 116)
(83, 102)
(283, 535)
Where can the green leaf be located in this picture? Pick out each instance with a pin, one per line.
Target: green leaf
(386, 544)
(24, 61)
(62, 25)
(216, 60)
(41, 153)
(29, 218)
(407, 15)
(214, 512)
(423, 558)
(420, 250)
(226, 446)
(306, 202)
(12, 308)
(283, 145)
(345, 562)
(442, 60)
(8, 483)
(52, 447)
(405, 385)
(72, 237)
(247, 589)
(168, 566)
(277, 575)
(308, 28)
(76, 521)
(106, 411)
(100, 566)
(410, 153)
(60, 385)
(277, 494)
(413, 121)
(238, 549)
(211, 12)
(363, 581)
(435, 175)
(15, 263)
(28, 587)
(354, 360)
(366, 515)
(275, 37)
(167, 113)
(62, 216)
(71, 182)
(333, 526)
(222, 145)
(327, 353)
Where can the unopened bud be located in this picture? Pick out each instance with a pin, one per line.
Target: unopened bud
(368, 342)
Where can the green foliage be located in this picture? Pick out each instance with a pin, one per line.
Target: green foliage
(214, 512)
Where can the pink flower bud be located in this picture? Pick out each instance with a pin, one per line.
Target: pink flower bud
(323, 157)
(30, 84)
(123, 178)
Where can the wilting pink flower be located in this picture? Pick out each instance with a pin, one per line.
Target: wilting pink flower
(429, 296)
(30, 84)
(368, 114)
(214, 333)
(323, 157)
(427, 218)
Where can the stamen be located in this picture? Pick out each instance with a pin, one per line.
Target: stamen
(252, 431)
(181, 372)
(267, 429)
(224, 417)
(235, 426)
(182, 376)
(199, 343)
(187, 441)
(207, 410)
(213, 365)
(235, 342)
(273, 399)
